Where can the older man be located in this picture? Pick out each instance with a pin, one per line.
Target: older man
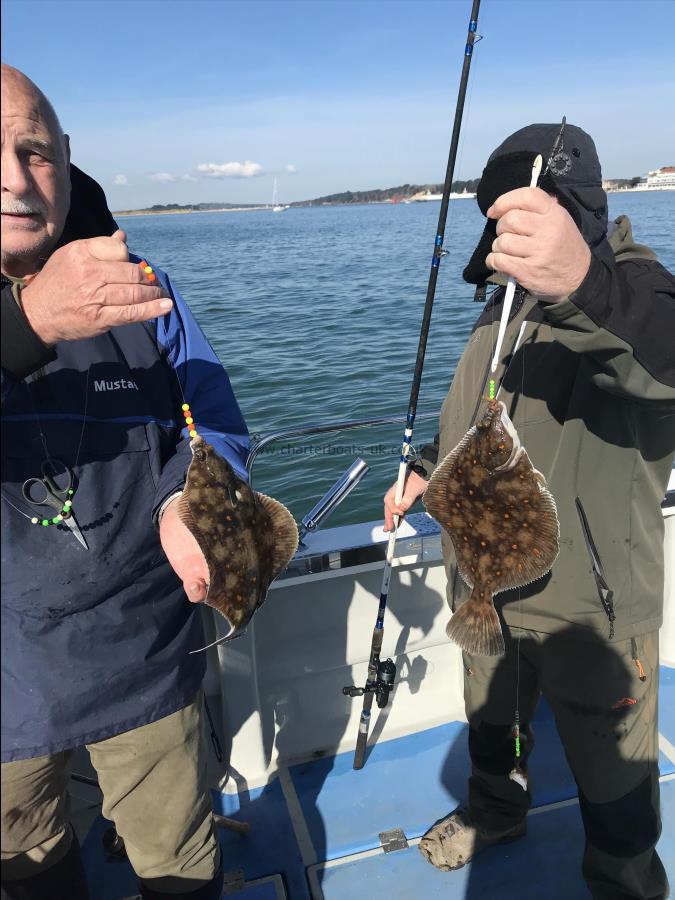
(96, 360)
(587, 373)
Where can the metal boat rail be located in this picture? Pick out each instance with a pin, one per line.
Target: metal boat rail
(354, 545)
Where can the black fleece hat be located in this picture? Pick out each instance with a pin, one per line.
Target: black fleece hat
(88, 215)
(574, 177)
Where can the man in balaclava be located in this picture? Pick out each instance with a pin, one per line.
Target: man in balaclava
(587, 374)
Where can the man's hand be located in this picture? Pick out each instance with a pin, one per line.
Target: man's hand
(88, 287)
(538, 244)
(184, 554)
(415, 486)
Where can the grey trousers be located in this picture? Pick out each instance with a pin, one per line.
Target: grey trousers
(155, 790)
(604, 698)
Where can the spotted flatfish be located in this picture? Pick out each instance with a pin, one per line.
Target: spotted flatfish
(502, 521)
(247, 538)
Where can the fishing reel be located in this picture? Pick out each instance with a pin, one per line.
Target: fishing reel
(382, 687)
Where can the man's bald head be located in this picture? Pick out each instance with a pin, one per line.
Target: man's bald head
(35, 175)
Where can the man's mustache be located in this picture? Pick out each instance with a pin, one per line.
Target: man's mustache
(19, 207)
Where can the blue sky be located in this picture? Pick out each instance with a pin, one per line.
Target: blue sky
(330, 95)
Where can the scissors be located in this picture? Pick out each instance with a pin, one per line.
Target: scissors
(46, 492)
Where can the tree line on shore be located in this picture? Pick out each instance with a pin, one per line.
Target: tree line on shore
(379, 195)
(382, 195)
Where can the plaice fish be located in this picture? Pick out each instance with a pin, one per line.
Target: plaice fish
(247, 538)
(502, 520)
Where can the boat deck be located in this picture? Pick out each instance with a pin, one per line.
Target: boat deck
(315, 828)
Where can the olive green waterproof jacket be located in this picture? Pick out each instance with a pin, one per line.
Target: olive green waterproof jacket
(589, 383)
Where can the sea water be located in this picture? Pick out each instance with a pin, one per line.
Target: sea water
(315, 313)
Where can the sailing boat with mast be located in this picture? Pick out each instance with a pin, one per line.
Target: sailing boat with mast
(276, 206)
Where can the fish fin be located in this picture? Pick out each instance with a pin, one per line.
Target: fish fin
(435, 495)
(513, 434)
(184, 513)
(285, 532)
(476, 627)
(547, 544)
(221, 640)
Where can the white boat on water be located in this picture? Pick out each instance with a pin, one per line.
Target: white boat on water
(462, 195)
(284, 733)
(276, 206)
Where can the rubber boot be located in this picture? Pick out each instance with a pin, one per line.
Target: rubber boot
(65, 880)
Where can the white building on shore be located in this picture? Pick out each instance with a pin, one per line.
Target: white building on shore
(659, 180)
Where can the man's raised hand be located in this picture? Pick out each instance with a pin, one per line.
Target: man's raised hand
(88, 287)
(538, 243)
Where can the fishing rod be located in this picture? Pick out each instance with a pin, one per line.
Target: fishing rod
(381, 675)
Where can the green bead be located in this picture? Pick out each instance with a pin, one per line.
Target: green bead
(58, 518)
(45, 521)
(71, 491)
(67, 504)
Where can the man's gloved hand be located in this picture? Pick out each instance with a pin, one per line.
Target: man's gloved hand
(88, 287)
(538, 244)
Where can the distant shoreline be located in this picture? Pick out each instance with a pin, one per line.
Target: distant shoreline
(636, 190)
(128, 213)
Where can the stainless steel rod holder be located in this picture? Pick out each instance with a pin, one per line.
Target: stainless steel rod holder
(334, 497)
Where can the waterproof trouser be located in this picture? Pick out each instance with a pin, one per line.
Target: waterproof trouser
(604, 699)
(155, 790)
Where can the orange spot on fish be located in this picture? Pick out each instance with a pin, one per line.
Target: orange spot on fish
(507, 516)
(514, 546)
(624, 702)
(535, 551)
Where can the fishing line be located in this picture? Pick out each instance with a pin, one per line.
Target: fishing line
(517, 773)
(510, 290)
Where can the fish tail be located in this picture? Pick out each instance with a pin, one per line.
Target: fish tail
(476, 627)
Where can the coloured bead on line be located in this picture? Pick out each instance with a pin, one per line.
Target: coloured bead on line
(147, 270)
(189, 421)
(59, 517)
